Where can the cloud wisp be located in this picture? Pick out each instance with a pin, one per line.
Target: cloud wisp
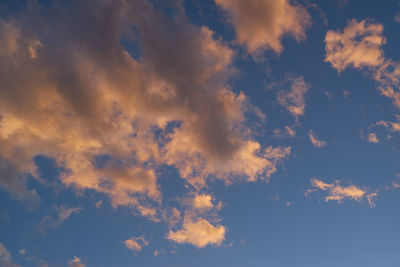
(339, 193)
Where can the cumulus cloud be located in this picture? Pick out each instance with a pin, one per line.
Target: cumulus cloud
(74, 93)
(199, 233)
(76, 262)
(293, 100)
(5, 257)
(340, 193)
(136, 243)
(261, 24)
(359, 45)
(315, 140)
(63, 213)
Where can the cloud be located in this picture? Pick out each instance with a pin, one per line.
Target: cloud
(359, 45)
(315, 140)
(74, 93)
(63, 213)
(199, 233)
(372, 138)
(261, 24)
(76, 262)
(293, 100)
(203, 201)
(5, 257)
(136, 243)
(340, 193)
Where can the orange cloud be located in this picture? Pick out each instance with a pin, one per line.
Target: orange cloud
(339, 193)
(199, 233)
(315, 141)
(359, 45)
(261, 24)
(293, 100)
(76, 262)
(136, 243)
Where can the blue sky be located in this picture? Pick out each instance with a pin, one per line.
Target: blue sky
(199, 133)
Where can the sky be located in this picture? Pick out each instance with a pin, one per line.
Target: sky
(199, 133)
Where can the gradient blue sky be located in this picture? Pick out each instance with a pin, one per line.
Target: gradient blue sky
(200, 133)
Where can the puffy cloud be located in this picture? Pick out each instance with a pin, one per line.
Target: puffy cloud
(372, 138)
(339, 193)
(63, 213)
(261, 24)
(76, 262)
(315, 140)
(74, 93)
(202, 201)
(293, 100)
(359, 45)
(199, 233)
(136, 243)
(5, 257)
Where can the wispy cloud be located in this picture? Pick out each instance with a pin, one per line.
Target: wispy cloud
(315, 140)
(63, 213)
(339, 193)
(293, 100)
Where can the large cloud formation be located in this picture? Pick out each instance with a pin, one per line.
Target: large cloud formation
(261, 24)
(112, 90)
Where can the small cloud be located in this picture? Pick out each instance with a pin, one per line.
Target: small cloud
(346, 93)
(203, 202)
(372, 138)
(340, 193)
(293, 100)
(288, 203)
(199, 233)
(136, 243)
(75, 262)
(22, 251)
(315, 141)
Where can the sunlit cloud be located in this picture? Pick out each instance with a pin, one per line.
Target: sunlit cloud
(339, 193)
(372, 138)
(199, 233)
(261, 24)
(358, 45)
(315, 140)
(293, 100)
(76, 262)
(136, 243)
